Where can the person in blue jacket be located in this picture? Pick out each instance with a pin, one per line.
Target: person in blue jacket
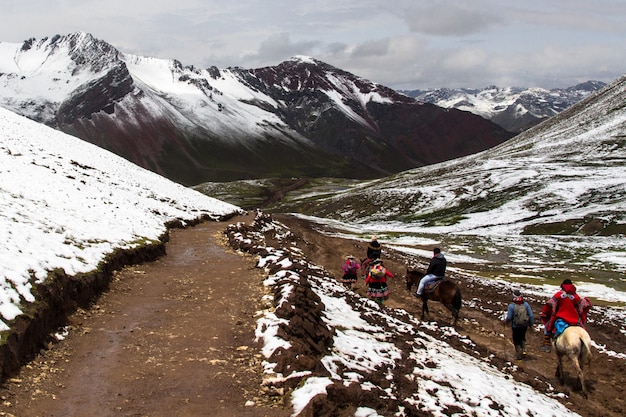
(520, 315)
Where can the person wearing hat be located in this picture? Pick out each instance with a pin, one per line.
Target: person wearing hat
(565, 308)
(376, 280)
(374, 250)
(436, 270)
(520, 315)
(349, 268)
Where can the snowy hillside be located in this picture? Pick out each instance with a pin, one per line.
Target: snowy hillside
(515, 109)
(65, 203)
(547, 202)
(382, 361)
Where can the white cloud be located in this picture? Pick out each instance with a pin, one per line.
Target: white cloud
(402, 44)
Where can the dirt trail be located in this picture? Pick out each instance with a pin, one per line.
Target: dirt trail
(479, 320)
(173, 337)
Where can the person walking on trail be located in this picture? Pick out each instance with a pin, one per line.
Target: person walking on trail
(436, 270)
(520, 315)
(350, 268)
(376, 280)
(374, 250)
(565, 308)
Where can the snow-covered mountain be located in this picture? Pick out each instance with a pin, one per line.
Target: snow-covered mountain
(553, 195)
(195, 125)
(515, 109)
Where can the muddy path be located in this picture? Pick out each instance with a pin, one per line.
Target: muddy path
(176, 337)
(173, 337)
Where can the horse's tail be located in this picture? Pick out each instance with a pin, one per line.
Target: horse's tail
(456, 301)
(585, 353)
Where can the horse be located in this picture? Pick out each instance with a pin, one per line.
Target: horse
(446, 292)
(574, 343)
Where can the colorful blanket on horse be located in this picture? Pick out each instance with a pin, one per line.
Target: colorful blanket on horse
(559, 327)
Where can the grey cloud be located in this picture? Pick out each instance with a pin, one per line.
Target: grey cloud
(450, 19)
(279, 47)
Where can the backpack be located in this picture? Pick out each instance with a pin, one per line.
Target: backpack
(378, 271)
(520, 315)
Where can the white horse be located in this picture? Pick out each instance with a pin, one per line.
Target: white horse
(574, 343)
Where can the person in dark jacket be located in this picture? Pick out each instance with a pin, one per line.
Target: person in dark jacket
(520, 322)
(436, 270)
(374, 249)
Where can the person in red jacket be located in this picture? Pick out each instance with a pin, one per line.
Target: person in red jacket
(566, 308)
(376, 281)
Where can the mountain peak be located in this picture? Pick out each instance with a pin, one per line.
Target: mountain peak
(513, 108)
(82, 48)
(303, 59)
(187, 123)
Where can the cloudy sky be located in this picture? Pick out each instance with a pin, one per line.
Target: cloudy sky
(403, 44)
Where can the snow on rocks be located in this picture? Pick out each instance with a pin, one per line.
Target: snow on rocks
(332, 350)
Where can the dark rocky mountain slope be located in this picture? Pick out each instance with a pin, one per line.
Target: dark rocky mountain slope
(300, 118)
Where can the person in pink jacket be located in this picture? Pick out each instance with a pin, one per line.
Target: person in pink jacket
(350, 269)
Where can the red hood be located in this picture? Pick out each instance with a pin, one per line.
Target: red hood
(569, 288)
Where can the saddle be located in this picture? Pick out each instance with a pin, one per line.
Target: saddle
(432, 286)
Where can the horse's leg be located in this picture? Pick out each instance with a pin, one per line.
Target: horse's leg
(425, 307)
(584, 361)
(559, 367)
(454, 311)
(579, 372)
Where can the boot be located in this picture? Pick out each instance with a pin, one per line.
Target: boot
(524, 349)
(546, 344)
(518, 352)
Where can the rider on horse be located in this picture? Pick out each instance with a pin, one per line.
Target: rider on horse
(436, 270)
(565, 308)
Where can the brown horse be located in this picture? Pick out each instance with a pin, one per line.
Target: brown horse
(446, 292)
(574, 343)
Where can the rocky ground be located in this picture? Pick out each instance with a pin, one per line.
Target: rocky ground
(177, 337)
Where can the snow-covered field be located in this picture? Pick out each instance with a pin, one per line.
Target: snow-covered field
(65, 203)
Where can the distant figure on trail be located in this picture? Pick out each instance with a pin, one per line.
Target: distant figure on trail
(436, 270)
(520, 315)
(565, 308)
(376, 281)
(350, 268)
(374, 249)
